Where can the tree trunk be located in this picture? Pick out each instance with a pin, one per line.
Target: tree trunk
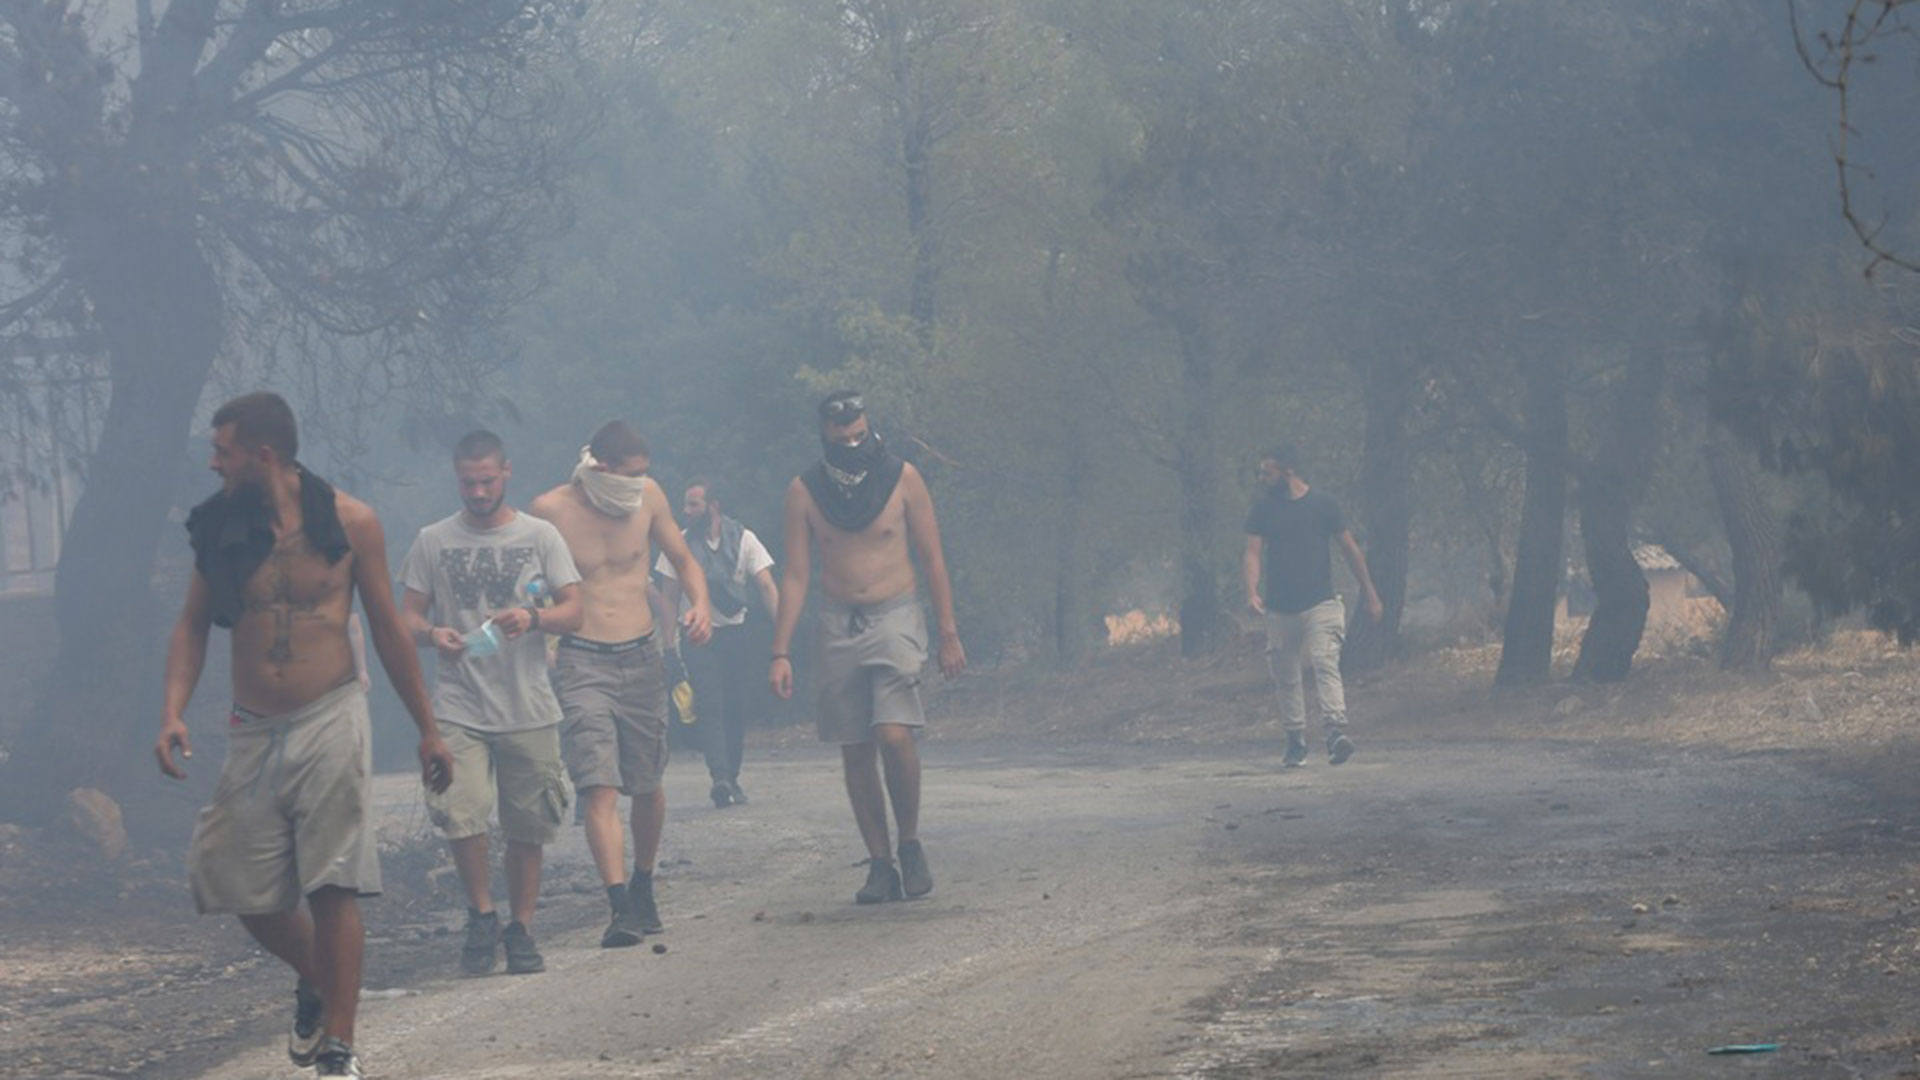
(1386, 479)
(1072, 621)
(1755, 540)
(1526, 646)
(918, 149)
(1619, 586)
(1480, 502)
(1609, 488)
(159, 309)
(1201, 614)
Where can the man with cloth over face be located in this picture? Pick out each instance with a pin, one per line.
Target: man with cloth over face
(278, 555)
(870, 515)
(472, 581)
(725, 671)
(609, 673)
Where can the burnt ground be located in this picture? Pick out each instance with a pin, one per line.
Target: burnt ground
(1559, 882)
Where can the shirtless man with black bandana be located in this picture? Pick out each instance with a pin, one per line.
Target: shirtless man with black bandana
(871, 516)
(278, 557)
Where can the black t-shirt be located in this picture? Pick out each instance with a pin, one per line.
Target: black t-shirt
(1299, 565)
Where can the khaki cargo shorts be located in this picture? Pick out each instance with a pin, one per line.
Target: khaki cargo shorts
(869, 665)
(293, 811)
(614, 698)
(520, 770)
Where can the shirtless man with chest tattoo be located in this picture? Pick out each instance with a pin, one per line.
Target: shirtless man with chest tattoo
(278, 557)
(870, 516)
(610, 674)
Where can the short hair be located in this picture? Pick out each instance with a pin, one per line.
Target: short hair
(478, 445)
(615, 442)
(1285, 455)
(262, 419)
(706, 485)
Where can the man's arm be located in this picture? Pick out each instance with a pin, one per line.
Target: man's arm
(416, 610)
(186, 657)
(924, 530)
(793, 589)
(665, 598)
(567, 613)
(697, 620)
(391, 642)
(1357, 562)
(1250, 572)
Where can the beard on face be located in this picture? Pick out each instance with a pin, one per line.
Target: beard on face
(484, 508)
(248, 495)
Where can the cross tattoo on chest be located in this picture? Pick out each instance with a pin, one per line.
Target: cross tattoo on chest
(281, 600)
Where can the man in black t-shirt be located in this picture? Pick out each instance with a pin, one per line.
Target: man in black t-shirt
(1287, 535)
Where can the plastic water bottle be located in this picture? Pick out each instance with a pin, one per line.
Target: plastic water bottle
(482, 640)
(536, 590)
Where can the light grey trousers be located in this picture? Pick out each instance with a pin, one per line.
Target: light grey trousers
(1311, 638)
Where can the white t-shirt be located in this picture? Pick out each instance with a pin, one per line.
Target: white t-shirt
(470, 574)
(753, 559)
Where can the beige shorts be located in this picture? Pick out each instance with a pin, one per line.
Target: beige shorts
(869, 667)
(614, 698)
(293, 811)
(520, 770)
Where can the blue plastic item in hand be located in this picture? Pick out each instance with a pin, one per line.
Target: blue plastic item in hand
(482, 640)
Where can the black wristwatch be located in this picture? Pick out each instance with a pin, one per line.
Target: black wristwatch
(534, 614)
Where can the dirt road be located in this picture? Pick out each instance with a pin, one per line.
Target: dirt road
(1505, 909)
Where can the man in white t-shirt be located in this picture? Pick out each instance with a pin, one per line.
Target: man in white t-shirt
(725, 672)
(470, 597)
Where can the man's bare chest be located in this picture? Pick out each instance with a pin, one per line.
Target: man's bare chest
(601, 547)
(297, 577)
(886, 532)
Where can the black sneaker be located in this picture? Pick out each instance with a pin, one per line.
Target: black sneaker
(721, 794)
(1296, 750)
(883, 883)
(303, 1042)
(336, 1059)
(1339, 748)
(523, 957)
(623, 931)
(916, 880)
(481, 951)
(739, 797)
(646, 913)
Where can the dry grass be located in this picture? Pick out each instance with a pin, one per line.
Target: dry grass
(1853, 699)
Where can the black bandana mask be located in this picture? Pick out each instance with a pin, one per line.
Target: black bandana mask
(852, 484)
(854, 460)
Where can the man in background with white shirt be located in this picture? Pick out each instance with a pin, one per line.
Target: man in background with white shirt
(725, 671)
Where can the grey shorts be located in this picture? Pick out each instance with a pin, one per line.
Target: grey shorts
(293, 811)
(614, 699)
(517, 770)
(869, 667)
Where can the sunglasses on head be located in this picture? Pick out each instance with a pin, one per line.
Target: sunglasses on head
(843, 410)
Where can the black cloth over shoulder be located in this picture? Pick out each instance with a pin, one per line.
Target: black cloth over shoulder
(233, 534)
(852, 507)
